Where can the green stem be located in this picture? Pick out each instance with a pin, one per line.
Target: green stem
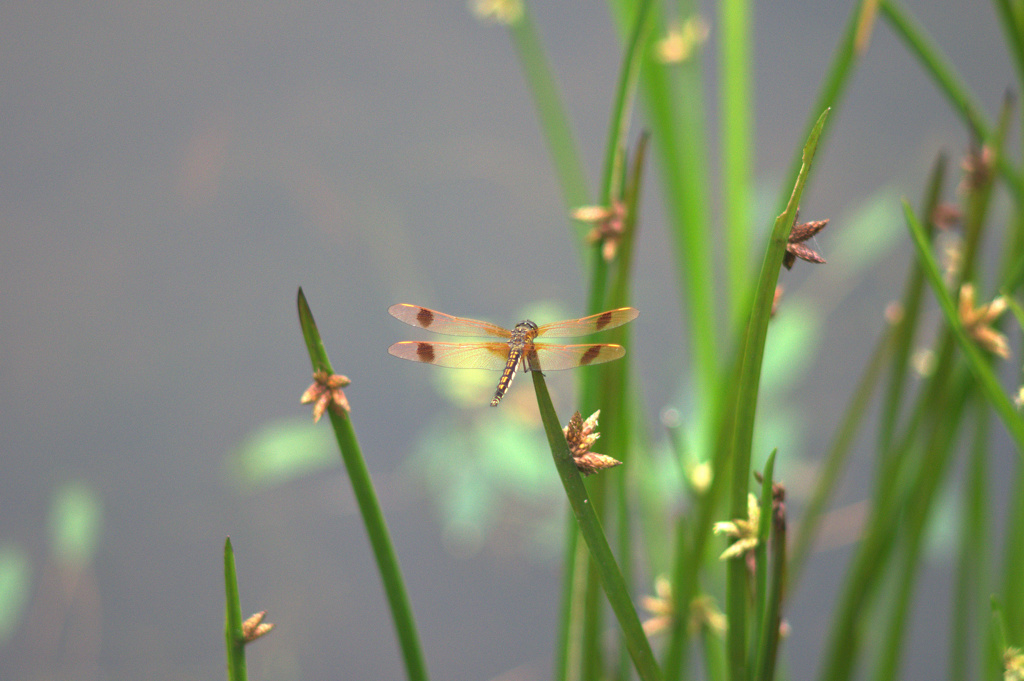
(934, 464)
(746, 404)
(971, 582)
(673, 98)
(590, 528)
(837, 456)
(622, 107)
(758, 638)
(552, 116)
(567, 651)
(690, 554)
(1013, 562)
(769, 647)
(948, 81)
(976, 360)
(233, 638)
(1009, 21)
(737, 148)
(369, 508)
(910, 314)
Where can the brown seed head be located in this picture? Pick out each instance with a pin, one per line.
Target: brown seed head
(326, 391)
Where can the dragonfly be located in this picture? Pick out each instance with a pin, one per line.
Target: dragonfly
(514, 349)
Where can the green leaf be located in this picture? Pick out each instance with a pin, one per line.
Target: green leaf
(15, 588)
(279, 452)
(76, 523)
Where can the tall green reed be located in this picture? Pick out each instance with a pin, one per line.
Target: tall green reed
(921, 431)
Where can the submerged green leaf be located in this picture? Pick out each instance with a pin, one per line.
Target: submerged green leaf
(279, 452)
(15, 588)
(76, 523)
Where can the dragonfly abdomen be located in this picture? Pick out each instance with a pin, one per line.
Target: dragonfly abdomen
(515, 353)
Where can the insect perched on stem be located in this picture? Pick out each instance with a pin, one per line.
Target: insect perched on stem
(517, 347)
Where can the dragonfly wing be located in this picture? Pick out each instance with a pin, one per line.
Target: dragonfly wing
(454, 355)
(588, 325)
(439, 322)
(558, 357)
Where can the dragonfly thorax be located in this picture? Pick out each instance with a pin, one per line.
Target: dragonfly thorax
(523, 333)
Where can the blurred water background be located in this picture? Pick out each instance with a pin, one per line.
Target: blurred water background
(170, 173)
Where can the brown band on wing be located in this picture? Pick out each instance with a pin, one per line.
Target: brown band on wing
(425, 352)
(424, 317)
(604, 320)
(590, 355)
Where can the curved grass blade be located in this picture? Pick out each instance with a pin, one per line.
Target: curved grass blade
(949, 82)
(736, 124)
(746, 402)
(977, 362)
(761, 562)
(590, 528)
(551, 114)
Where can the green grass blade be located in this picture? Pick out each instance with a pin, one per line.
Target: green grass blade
(971, 581)
(552, 116)
(837, 456)
(1009, 21)
(369, 508)
(920, 44)
(1012, 592)
(736, 124)
(896, 344)
(673, 98)
(904, 329)
(619, 296)
(1016, 277)
(567, 650)
(622, 107)
(769, 648)
(998, 641)
(590, 528)
(978, 363)
(616, 400)
(933, 466)
(979, 199)
(593, 645)
(684, 571)
(746, 407)
(233, 638)
(761, 565)
(878, 539)
(948, 81)
(691, 556)
(620, 184)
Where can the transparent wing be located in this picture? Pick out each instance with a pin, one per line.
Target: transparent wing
(454, 355)
(588, 325)
(558, 357)
(439, 322)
